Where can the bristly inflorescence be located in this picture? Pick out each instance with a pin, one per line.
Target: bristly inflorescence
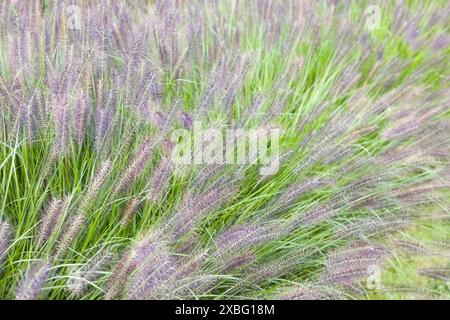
(34, 281)
(5, 238)
(223, 149)
(82, 277)
(52, 217)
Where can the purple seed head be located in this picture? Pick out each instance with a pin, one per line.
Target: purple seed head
(51, 218)
(34, 281)
(83, 276)
(5, 238)
(186, 120)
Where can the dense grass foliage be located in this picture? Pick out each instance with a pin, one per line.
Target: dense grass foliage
(93, 205)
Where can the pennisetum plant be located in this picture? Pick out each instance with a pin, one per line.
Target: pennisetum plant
(98, 97)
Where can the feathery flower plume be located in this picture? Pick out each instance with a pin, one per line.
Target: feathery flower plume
(193, 209)
(373, 227)
(62, 139)
(156, 267)
(441, 247)
(119, 276)
(191, 264)
(80, 119)
(189, 244)
(185, 270)
(356, 250)
(441, 42)
(347, 266)
(186, 120)
(127, 138)
(131, 260)
(347, 274)
(34, 281)
(277, 267)
(208, 173)
(311, 292)
(129, 211)
(51, 217)
(439, 273)
(240, 261)
(94, 187)
(70, 233)
(82, 277)
(293, 193)
(103, 124)
(49, 163)
(159, 180)
(413, 247)
(110, 81)
(5, 237)
(312, 216)
(243, 236)
(135, 166)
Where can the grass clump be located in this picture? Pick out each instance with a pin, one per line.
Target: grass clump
(94, 96)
